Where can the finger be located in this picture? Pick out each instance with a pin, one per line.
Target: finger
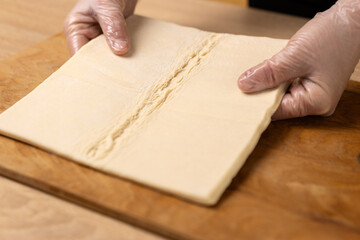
(303, 98)
(130, 8)
(75, 43)
(113, 25)
(284, 66)
(78, 31)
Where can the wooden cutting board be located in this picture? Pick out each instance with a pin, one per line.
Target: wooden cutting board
(302, 180)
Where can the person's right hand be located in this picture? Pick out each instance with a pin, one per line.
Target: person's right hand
(90, 18)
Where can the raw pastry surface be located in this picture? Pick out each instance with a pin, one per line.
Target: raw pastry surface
(168, 114)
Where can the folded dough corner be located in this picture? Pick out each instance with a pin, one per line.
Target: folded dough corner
(168, 114)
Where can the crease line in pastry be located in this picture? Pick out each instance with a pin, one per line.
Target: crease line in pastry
(153, 101)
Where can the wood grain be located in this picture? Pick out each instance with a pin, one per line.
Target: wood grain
(304, 173)
(24, 23)
(25, 215)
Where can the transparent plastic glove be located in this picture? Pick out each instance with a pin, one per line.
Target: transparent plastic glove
(318, 62)
(90, 18)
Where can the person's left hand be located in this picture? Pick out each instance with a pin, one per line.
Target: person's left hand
(317, 62)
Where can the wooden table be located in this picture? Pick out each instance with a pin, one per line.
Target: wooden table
(26, 213)
(64, 220)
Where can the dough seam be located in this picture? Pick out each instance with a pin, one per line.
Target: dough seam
(152, 101)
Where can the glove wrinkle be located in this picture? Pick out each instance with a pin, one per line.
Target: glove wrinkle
(321, 57)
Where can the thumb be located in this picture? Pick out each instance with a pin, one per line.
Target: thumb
(284, 66)
(306, 97)
(113, 25)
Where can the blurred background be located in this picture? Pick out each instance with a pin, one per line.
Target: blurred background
(24, 23)
(303, 8)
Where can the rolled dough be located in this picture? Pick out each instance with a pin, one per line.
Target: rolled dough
(168, 115)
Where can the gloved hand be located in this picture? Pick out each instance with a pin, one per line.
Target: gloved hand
(89, 18)
(318, 62)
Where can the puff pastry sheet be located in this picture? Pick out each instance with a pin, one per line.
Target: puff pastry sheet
(168, 114)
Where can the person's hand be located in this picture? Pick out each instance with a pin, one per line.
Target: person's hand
(90, 18)
(318, 62)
